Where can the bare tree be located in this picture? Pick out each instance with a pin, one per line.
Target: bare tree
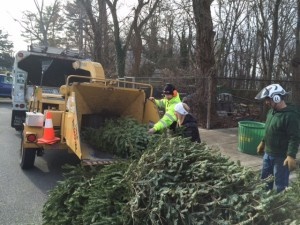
(97, 14)
(165, 41)
(229, 17)
(45, 26)
(121, 46)
(138, 26)
(261, 42)
(275, 28)
(269, 59)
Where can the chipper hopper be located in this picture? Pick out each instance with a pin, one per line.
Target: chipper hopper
(85, 101)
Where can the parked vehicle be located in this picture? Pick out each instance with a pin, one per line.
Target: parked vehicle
(5, 85)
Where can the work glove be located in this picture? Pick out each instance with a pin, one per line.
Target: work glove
(290, 162)
(152, 99)
(151, 131)
(261, 148)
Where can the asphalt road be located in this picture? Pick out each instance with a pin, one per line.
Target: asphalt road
(23, 193)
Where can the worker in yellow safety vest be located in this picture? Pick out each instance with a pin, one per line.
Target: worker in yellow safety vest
(169, 120)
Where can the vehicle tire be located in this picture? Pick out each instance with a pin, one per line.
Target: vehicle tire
(19, 128)
(27, 157)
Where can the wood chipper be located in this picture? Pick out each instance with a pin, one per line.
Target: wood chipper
(55, 121)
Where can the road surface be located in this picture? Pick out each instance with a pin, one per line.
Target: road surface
(23, 193)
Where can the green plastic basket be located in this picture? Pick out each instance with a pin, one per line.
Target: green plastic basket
(250, 134)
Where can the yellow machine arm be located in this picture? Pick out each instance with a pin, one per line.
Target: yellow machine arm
(95, 69)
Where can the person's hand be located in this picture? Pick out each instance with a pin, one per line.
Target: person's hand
(261, 148)
(290, 162)
(151, 99)
(151, 131)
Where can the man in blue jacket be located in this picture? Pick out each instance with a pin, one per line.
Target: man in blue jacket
(281, 140)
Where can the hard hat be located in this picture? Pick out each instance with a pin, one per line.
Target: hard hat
(272, 91)
(169, 89)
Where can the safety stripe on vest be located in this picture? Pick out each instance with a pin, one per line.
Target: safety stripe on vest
(163, 123)
(170, 117)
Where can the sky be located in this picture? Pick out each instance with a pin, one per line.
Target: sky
(12, 9)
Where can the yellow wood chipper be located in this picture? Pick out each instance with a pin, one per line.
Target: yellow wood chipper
(84, 101)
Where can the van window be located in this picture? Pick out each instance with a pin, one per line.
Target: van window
(8, 80)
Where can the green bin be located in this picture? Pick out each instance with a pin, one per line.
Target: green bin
(250, 134)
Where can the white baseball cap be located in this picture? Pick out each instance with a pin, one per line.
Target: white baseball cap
(179, 108)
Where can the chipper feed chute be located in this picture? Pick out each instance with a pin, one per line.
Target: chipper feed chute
(90, 104)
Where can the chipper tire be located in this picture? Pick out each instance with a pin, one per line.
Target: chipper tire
(27, 157)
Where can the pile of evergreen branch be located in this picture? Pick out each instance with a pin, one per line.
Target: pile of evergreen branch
(175, 181)
(180, 182)
(95, 195)
(122, 137)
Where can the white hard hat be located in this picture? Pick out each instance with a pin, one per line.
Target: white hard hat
(271, 91)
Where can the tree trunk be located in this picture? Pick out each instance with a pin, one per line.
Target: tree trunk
(121, 57)
(274, 40)
(296, 63)
(205, 58)
(137, 47)
(103, 23)
(99, 26)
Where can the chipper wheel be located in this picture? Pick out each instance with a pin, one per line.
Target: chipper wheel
(27, 157)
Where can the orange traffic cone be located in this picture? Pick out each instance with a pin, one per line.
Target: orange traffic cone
(48, 137)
